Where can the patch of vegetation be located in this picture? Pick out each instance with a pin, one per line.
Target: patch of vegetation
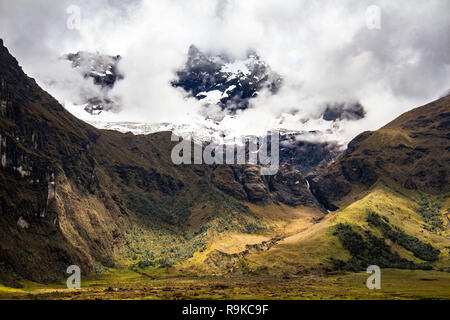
(167, 236)
(172, 210)
(234, 215)
(183, 251)
(420, 249)
(244, 267)
(255, 227)
(158, 248)
(147, 259)
(97, 268)
(108, 261)
(430, 210)
(367, 250)
(227, 202)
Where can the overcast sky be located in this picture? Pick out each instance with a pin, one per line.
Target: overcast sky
(324, 50)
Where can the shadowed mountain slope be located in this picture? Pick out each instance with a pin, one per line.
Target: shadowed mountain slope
(73, 194)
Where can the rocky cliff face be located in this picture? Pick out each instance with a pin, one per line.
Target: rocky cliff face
(288, 186)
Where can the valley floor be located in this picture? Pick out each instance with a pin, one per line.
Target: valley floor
(125, 284)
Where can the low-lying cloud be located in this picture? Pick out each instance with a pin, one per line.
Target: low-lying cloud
(324, 51)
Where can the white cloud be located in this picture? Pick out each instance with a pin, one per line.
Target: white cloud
(323, 50)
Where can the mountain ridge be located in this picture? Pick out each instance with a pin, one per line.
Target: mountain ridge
(73, 194)
(408, 150)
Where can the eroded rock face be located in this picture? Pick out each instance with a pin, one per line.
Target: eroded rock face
(224, 179)
(288, 186)
(242, 182)
(254, 185)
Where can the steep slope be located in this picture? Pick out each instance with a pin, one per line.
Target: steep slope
(413, 150)
(73, 194)
(390, 190)
(385, 227)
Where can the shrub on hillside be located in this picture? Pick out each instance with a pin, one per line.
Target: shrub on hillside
(420, 249)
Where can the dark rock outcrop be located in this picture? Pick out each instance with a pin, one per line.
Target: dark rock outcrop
(204, 73)
(305, 155)
(287, 186)
(344, 111)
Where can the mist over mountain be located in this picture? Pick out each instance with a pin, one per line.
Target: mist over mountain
(102, 69)
(228, 83)
(323, 62)
(224, 86)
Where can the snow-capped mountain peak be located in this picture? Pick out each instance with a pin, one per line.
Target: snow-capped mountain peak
(224, 81)
(102, 69)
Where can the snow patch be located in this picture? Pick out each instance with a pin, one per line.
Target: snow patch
(212, 97)
(22, 172)
(236, 67)
(4, 160)
(23, 223)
